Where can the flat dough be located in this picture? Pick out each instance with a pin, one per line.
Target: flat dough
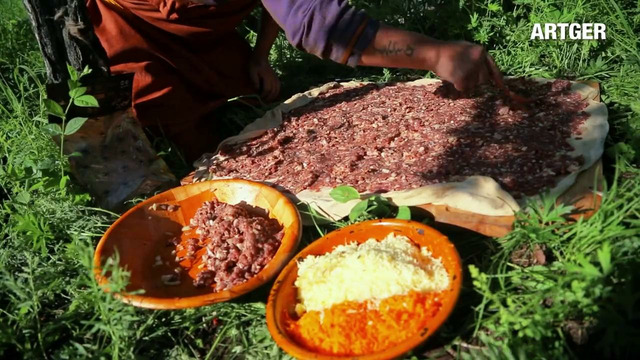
(477, 194)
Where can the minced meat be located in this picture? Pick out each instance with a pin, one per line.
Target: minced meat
(396, 137)
(239, 243)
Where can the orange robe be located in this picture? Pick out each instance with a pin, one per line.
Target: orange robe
(187, 59)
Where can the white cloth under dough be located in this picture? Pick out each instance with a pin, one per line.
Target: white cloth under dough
(478, 194)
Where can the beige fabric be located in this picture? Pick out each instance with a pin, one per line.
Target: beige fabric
(116, 162)
(478, 194)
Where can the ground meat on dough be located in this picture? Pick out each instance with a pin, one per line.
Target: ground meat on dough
(238, 241)
(397, 137)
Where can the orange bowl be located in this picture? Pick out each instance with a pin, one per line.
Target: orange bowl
(141, 234)
(283, 295)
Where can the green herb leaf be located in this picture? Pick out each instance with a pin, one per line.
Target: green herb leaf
(380, 210)
(73, 84)
(23, 197)
(604, 257)
(358, 210)
(86, 101)
(36, 186)
(493, 7)
(623, 150)
(379, 200)
(78, 91)
(404, 213)
(379, 206)
(46, 164)
(54, 108)
(344, 194)
(86, 71)
(586, 268)
(63, 181)
(74, 125)
(73, 74)
(52, 129)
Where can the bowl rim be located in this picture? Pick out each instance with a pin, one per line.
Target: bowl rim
(299, 352)
(168, 303)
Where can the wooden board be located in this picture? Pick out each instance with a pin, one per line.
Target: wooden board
(581, 195)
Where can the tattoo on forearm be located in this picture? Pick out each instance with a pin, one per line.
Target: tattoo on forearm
(408, 50)
(393, 48)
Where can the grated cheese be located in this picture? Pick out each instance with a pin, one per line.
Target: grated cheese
(371, 271)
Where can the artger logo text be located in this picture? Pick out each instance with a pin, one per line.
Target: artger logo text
(562, 31)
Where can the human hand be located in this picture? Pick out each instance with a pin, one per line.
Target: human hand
(264, 78)
(466, 65)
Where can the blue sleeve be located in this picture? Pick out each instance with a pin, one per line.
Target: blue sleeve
(329, 29)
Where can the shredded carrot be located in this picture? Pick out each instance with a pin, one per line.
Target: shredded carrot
(358, 328)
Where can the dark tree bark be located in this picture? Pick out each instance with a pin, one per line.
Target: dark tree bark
(66, 36)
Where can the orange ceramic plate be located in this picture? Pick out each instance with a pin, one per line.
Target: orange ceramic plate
(282, 298)
(141, 234)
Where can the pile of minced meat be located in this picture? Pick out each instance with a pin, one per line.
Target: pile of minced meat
(398, 137)
(239, 243)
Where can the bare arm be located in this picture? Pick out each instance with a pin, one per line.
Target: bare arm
(401, 49)
(461, 63)
(264, 78)
(267, 35)
(333, 29)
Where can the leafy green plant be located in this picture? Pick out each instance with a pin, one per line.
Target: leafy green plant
(372, 207)
(77, 96)
(563, 299)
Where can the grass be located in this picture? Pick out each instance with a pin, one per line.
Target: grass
(583, 302)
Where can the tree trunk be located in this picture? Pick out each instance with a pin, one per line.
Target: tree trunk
(65, 35)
